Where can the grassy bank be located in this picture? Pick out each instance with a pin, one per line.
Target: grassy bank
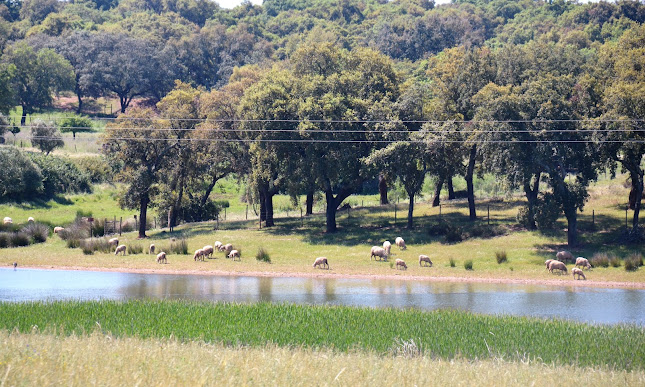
(35, 359)
(442, 334)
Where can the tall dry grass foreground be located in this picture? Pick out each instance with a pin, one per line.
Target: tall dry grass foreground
(97, 359)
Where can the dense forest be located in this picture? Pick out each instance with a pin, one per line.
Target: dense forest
(322, 96)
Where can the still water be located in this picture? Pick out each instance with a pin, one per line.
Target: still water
(594, 305)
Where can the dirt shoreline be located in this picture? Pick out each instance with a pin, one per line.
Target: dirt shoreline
(325, 274)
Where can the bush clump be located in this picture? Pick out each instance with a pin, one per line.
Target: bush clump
(135, 248)
(452, 262)
(633, 262)
(37, 231)
(89, 246)
(178, 246)
(20, 239)
(20, 178)
(486, 231)
(453, 234)
(5, 240)
(600, 260)
(262, 255)
(468, 265)
(60, 175)
(501, 257)
(614, 261)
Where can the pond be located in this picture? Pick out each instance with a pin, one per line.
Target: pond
(587, 304)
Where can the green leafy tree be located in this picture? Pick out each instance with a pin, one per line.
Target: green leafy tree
(45, 136)
(36, 76)
(76, 124)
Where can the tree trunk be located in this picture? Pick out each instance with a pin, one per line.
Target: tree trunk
(80, 102)
(451, 189)
(330, 212)
(310, 204)
(531, 193)
(23, 118)
(410, 211)
(469, 182)
(637, 187)
(382, 189)
(143, 210)
(263, 211)
(572, 231)
(437, 192)
(268, 199)
(177, 205)
(207, 193)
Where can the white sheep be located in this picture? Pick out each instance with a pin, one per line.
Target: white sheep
(234, 254)
(401, 263)
(7, 220)
(151, 249)
(208, 251)
(217, 245)
(584, 262)
(564, 256)
(58, 229)
(161, 257)
(31, 219)
(226, 248)
(578, 272)
(120, 249)
(378, 252)
(557, 265)
(546, 263)
(387, 246)
(401, 243)
(199, 254)
(320, 262)
(111, 242)
(426, 259)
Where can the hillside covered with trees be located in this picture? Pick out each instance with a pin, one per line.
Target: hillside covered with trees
(323, 96)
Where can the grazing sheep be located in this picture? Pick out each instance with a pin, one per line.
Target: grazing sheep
(151, 249)
(557, 265)
(31, 220)
(208, 251)
(578, 272)
(226, 248)
(7, 220)
(401, 263)
(120, 249)
(320, 262)
(378, 252)
(161, 257)
(113, 241)
(217, 245)
(387, 246)
(564, 256)
(234, 254)
(584, 262)
(401, 243)
(426, 259)
(58, 229)
(547, 263)
(199, 254)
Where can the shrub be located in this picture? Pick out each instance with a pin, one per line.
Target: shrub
(128, 226)
(501, 257)
(633, 262)
(614, 261)
(263, 255)
(75, 124)
(547, 211)
(453, 234)
(45, 136)
(19, 239)
(486, 231)
(468, 265)
(60, 175)
(77, 230)
(135, 248)
(178, 246)
(96, 168)
(37, 231)
(20, 178)
(5, 240)
(73, 243)
(600, 260)
(87, 248)
(95, 244)
(438, 229)
(452, 262)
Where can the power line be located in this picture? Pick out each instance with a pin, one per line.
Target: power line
(336, 141)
